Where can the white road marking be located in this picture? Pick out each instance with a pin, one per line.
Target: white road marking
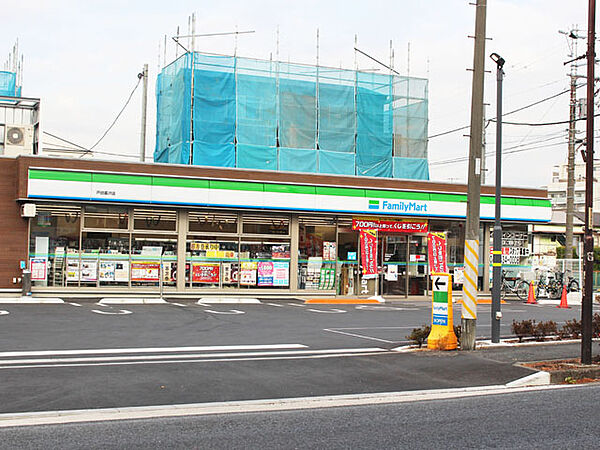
(362, 336)
(101, 351)
(178, 304)
(327, 311)
(120, 312)
(275, 304)
(10, 362)
(202, 304)
(4, 313)
(296, 304)
(385, 308)
(294, 355)
(73, 304)
(231, 311)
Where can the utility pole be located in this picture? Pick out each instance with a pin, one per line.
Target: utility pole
(471, 253)
(588, 243)
(497, 255)
(572, 36)
(144, 77)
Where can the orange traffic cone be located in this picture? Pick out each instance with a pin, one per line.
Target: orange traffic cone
(563, 298)
(531, 296)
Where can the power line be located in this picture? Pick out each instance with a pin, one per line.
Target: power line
(543, 124)
(116, 118)
(506, 114)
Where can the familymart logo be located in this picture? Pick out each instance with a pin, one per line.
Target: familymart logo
(398, 205)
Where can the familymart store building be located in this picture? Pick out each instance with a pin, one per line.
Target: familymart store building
(104, 226)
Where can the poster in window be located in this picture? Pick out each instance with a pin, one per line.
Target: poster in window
(72, 269)
(122, 271)
(89, 270)
(281, 273)
(265, 273)
(107, 271)
(248, 273)
(205, 272)
(38, 267)
(144, 271)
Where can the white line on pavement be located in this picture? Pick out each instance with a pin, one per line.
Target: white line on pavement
(182, 357)
(362, 336)
(231, 311)
(327, 311)
(178, 304)
(105, 351)
(73, 304)
(218, 360)
(4, 313)
(275, 304)
(110, 313)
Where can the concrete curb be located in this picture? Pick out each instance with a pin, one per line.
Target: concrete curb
(285, 404)
(27, 300)
(131, 301)
(227, 300)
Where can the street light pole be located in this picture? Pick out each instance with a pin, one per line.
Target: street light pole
(497, 245)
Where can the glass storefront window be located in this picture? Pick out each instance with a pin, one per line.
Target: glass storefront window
(255, 224)
(200, 221)
(111, 217)
(147, 253)
(54, 236)
(265, 263)
(104, 260)
(212, 263)
(154, 220)
(348, 257)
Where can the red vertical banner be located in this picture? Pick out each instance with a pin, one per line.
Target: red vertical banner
(368, 252)
(436, 249)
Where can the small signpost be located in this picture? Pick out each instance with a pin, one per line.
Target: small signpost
(442, 335)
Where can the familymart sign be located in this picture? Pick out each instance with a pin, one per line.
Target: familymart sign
(165, 190)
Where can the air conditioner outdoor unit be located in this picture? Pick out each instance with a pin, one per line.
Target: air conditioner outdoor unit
(18, 140)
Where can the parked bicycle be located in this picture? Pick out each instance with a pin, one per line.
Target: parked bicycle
(513, 285)
(571, 283)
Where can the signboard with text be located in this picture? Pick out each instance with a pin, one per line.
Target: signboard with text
(368, 252)
(390, 226)
(436, 248)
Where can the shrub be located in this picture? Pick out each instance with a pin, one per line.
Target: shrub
(419, 335)
(596, 325)
(544, 329)
(523, 328)
(571, 329)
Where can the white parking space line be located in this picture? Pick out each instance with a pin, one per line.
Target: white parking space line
(362, 336)
(4, 313)
(327, 311)
(178, 304)
(111, 313)
(231, 311)
(73, 304)
(384, 308)
(102, 351)
(188, 358)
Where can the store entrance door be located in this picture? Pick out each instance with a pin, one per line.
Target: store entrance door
(393, 253)
(403, 259)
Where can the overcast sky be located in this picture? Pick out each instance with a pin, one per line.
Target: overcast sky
(82, 60)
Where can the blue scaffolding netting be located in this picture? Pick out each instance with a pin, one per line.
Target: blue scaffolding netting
(8, 84)
(228, 111)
